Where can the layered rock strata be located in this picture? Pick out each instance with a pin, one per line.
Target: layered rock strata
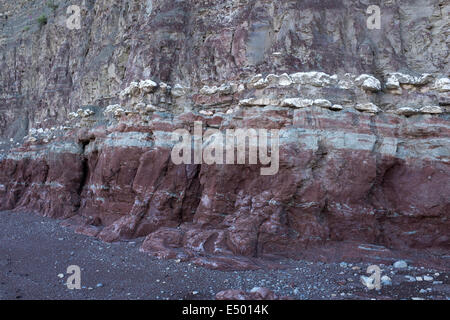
(364, 128)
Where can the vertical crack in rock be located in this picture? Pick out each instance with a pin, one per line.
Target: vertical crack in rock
(84, 168)
(192, 194)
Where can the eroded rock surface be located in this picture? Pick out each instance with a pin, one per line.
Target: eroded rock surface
(86, 124)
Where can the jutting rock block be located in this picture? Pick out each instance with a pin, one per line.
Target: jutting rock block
(363, 123)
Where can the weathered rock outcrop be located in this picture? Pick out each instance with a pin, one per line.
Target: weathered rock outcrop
(87, 116)
(256, 293)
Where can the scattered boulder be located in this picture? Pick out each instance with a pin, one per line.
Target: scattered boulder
(386, 281)
(401, 264)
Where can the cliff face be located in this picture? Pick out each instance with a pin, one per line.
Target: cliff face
(87, 115)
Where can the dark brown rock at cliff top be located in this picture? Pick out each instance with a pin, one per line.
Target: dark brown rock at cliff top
(86, 118)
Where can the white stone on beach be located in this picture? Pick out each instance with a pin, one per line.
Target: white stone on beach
(401, 264)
